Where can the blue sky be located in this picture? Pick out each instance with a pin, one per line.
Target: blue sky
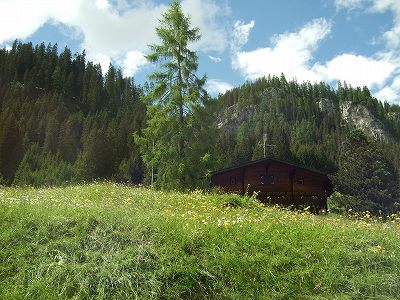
(357, 41)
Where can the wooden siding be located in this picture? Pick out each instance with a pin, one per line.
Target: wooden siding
(276, 182)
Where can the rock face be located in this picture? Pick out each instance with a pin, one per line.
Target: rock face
(233, 118)
(327, 105)
(355, 115)
(360, 117)
(395, 116)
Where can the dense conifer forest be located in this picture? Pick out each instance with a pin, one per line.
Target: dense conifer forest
(61, 120)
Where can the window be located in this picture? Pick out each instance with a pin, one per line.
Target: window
(300, 180)
(233, 180)
(266, 179)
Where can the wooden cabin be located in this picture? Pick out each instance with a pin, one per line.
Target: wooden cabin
(276, 182)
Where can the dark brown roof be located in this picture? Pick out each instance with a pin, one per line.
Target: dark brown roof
(265, 160)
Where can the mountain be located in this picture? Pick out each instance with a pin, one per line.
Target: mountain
(300, 122)
(61, 120)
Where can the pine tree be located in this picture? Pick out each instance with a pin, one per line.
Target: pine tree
(366, 175)
(10, 146)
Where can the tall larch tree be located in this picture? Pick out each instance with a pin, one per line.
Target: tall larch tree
(176, 92)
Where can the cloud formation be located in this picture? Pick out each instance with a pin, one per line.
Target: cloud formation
(241, 32)
(21, 18)
(392, 36)
(133, 61)
(206, 14)
(119, 30)
(290, 53)
(215, 59)
(356, 70)
(215, 87)
(389, 58)
(349, 4)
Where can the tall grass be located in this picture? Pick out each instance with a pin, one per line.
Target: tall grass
(103, 241)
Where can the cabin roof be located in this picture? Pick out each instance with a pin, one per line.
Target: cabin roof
(250, 163)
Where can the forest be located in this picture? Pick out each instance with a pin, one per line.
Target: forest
(105, 184)
(62, 121)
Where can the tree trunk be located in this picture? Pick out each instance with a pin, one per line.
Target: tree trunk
(181, 145)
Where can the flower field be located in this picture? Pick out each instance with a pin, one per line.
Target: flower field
(106, 241)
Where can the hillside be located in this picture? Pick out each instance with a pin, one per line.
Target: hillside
(301, 122)
(104, 241)
(62, 121)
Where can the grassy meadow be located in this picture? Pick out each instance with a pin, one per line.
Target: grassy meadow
(105, 241)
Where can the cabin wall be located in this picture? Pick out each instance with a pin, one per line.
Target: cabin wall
(230, 182)
(276, 182)
(309, 188)
(272, 182)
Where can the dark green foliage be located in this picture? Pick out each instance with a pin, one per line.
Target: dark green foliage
(366, 175)
(40, 168)
(61, 121)
(10, 146)
(286, 117)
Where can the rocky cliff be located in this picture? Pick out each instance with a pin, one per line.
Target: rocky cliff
(360, 117)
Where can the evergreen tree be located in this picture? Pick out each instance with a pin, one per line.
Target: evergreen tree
(10, 146)
(366, 175)
(177, 91)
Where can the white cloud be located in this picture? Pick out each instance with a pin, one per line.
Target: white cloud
(215, 87)
(356, 70)
(132, 62)
(241, 32)
(215, 59)
(106, 31)
(21, 18)
(110, 28)
(102, 59)
(349, 4)
(377, 72)
(391, 36)
(291, 53)
(102, 4)
(388, 94)
(205, 15)
(396, 83)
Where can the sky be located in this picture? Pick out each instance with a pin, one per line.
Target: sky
(357, 41)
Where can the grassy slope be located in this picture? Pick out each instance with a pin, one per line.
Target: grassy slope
(110, 242)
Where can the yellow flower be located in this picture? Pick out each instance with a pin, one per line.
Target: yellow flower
(378, 249)
(226, 224)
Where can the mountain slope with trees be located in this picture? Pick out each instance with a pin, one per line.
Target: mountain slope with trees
(61, 120)
(305, 124)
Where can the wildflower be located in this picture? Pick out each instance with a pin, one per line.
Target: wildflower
(226, 224)
(378, 249)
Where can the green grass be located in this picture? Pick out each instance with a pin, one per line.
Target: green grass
(104, 241)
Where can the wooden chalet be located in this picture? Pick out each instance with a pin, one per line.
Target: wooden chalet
(276, 181)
